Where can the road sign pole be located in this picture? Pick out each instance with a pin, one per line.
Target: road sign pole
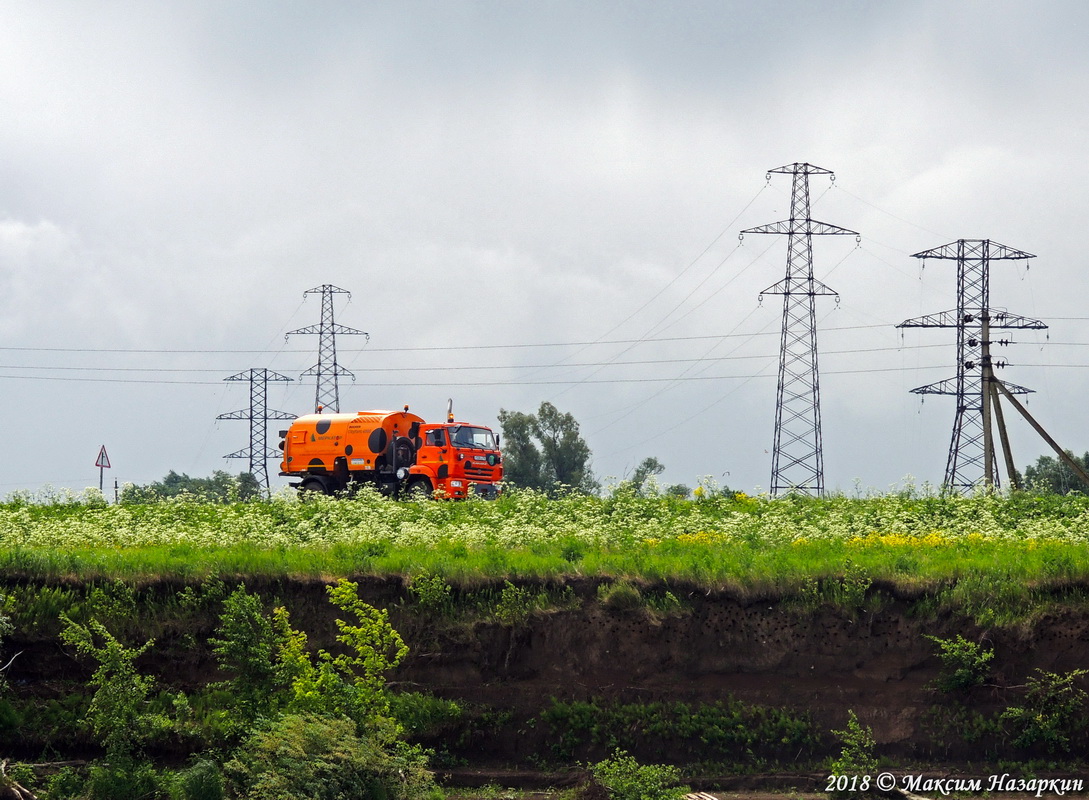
(103, 463)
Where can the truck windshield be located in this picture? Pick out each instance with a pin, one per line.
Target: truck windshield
(465, 436)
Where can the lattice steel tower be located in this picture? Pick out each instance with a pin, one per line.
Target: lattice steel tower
(972, 458)
(258, 415)
(327, 371)
(797, 461)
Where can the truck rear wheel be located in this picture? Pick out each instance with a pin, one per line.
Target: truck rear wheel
(312, 486)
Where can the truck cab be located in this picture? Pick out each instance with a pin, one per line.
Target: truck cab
(457, 460)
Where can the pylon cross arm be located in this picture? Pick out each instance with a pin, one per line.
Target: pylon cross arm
(241, 414)
(974, 249)
(802, 226)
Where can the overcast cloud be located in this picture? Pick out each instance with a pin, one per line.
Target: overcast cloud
(174, 176)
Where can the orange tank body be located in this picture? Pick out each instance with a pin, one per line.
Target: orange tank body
(395, 451)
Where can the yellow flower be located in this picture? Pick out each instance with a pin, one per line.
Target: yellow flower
(700, 537)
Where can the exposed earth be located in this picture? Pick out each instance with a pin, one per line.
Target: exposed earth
(816, 660)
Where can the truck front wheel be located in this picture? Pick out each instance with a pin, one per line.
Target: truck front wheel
(419, 489)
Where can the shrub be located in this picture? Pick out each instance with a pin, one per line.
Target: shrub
(324, 758)
(424, 714)
(272, 668)
(124, 780)
(118, 715)
(432, 593)
(704, 731)
(857, 755)
(1054, 711)
(245, 647)
(964, 664)
(515, 605)
(203, 781)
(626, 779)
(66, 783)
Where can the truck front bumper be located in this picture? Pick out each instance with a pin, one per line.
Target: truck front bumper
(485, 491)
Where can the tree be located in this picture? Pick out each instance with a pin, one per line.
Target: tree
(545, 449)
(522, 463)
(1053, 476)
(647, 468)
(220, 487)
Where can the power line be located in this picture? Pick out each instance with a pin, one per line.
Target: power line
(445, 368)
(406, 349)
(691, 264)
(473, 383)
(889, 213)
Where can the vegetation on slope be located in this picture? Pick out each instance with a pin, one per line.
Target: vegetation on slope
(1007, 551)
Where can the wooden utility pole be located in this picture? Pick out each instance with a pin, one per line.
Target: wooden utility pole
(1066, 459)
(1003, 436)
(987, 377)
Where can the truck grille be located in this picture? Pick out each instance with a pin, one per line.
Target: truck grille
(479, 471)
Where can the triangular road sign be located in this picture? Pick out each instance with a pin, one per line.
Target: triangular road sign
(103, 459)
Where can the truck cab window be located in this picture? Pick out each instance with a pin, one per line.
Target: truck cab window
(468, 436)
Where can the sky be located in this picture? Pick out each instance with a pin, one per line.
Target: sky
(528, 201)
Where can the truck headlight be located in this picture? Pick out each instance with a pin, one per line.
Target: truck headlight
(456, 484)
(402, 473)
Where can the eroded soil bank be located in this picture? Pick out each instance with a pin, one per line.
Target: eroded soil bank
(782, 667)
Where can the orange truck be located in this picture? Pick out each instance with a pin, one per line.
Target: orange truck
(395, 451)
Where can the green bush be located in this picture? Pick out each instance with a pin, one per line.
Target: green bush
(202, 781)
(65, 784)
(1054, 711)
(857, 755)
(515, 605)
(324, 758)
(432, 593)
(119, 714)
(624, 778)
(424, 714)
(964, 664)
(245, 646)
(726, 728)
(125, 779)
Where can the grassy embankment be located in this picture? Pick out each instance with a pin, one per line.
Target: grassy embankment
(989, 555)
(164, 570)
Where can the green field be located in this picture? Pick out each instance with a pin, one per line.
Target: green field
(1001, 552)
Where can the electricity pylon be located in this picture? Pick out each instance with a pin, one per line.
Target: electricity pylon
(972, 459)
(797, 461)
(327, 371)
(258, 415)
